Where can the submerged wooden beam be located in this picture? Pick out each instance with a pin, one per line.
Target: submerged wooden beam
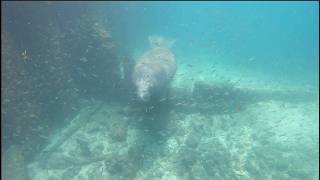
(222, 98)
(79, 121)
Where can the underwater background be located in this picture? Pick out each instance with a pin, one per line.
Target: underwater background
(277, 39)
(243, 104)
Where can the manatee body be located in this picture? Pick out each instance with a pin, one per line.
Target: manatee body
(154, 70)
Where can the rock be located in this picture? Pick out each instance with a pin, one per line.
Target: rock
(70, 173)
(119, 129)
(56, 161)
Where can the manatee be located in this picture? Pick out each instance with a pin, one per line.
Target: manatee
(154, 69)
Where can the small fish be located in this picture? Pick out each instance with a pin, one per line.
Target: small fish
(83, 59)
(42, 136)
(180, 104)
(278, 121)
(27, 139)
(252, 58)
(73, 108)
(24, 55)
(32, 115)
(25, 92)
(163, 99)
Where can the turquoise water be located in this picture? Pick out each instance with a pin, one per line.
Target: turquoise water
(243, 103)
(278, 39)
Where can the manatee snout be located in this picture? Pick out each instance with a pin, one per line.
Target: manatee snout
(143, 89)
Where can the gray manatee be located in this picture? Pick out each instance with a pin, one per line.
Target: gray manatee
(155, 69)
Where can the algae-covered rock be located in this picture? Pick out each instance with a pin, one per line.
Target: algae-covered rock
(215, 158)
(118, 129)
(57, 161)
(70, 173)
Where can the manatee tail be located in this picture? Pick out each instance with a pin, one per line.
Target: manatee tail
(159, 41)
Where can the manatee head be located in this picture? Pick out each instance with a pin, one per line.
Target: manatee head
(144, 81)
(144, 87)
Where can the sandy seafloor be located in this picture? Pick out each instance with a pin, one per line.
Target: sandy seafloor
(266, 140)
